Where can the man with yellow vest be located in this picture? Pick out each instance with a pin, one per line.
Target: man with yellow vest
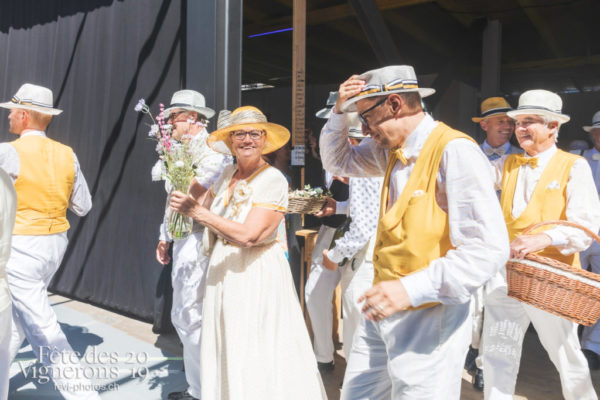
(542, 184)
(440, 237)
(8, 206)
(48, 180)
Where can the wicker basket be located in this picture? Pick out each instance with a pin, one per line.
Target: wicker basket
(554, 286)
(305, 205)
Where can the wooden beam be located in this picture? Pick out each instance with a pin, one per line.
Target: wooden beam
(325, 15)
(541, 24)
(420, 32)
(299, 73)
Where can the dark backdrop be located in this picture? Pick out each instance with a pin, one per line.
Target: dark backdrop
(100, 57)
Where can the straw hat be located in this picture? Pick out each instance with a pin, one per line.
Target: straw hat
(33, 97)
(387, 80)
(540, 102)
(355, 130)
(326, 112)
(595, 123)
(246, 117)
(492, 106)
(189, 100)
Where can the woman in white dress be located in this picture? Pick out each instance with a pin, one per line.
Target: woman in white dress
(254, 340)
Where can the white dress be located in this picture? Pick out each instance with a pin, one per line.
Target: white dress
(254, 340)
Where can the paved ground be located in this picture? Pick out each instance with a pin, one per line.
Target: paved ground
(149, 366)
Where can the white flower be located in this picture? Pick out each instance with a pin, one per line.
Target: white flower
(140, 105)
(158, 171)
(179, 164)
(153, 130)
(242, 192)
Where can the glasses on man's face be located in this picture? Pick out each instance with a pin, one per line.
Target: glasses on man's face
(174, 115)
(527, 122)
(361, 116)
(241, 135)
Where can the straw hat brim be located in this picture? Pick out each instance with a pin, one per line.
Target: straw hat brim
(588, 129)
(44, 110)
(207, 112)
(324, 113)
(562, 118)
(350, 105)
(277, 136)
(479, 119)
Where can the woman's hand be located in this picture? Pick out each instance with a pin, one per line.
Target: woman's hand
(184, 204)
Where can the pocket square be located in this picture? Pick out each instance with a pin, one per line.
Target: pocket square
(553, 185)
(418, 193)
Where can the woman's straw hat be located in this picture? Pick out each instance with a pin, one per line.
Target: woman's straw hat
(246, 117)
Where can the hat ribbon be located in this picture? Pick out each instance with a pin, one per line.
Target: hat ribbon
(394, 85)
(495, 111)
(526, 107)
(28, 102)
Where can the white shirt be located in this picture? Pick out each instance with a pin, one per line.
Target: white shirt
(363, 201)
(80, 201)
(464, 190)
(593, 158)
(583, 206)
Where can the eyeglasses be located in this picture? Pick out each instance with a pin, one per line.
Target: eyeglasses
(361, 116)
(241, 135)
(174, 115)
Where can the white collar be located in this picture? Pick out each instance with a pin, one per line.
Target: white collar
(414, 142)
(486, 145)
(34, 133)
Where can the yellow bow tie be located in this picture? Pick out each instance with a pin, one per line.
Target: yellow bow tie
(522, 160)
(399, 154)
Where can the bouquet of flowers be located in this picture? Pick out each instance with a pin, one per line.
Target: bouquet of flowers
(176, 165)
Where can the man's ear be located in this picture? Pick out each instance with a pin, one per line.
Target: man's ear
(483, 124)
(397, 104)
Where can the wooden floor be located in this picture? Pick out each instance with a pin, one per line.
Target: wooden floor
(538, 379)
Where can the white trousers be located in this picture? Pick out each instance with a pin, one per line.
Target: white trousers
(318, 294)
(505, 324)
(414, 354)
(357, 278)
(477, 324)
(5, 332)
(188, 277)
(32, 264)
(591, 334)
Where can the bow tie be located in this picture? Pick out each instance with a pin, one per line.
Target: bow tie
(596, 156)
(498, 150)
(399, 155)
(522, 160)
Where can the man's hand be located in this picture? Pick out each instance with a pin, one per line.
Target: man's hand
(327, 263)
(162, 252)
(526, 244)
(328, 209)
(349, 88)
(384, 299)
(183, 203)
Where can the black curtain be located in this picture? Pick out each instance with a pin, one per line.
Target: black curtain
(99, 57)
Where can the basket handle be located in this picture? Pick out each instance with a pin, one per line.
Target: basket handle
(562, 222)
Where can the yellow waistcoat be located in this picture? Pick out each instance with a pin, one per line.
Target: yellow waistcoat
(546, 203)
(44, 185)
(415, 230)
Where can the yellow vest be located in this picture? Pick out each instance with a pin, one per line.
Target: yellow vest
(415, 230)
(44, 185)
(545, 203)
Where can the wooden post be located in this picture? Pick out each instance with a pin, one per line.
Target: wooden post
(299, 86)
